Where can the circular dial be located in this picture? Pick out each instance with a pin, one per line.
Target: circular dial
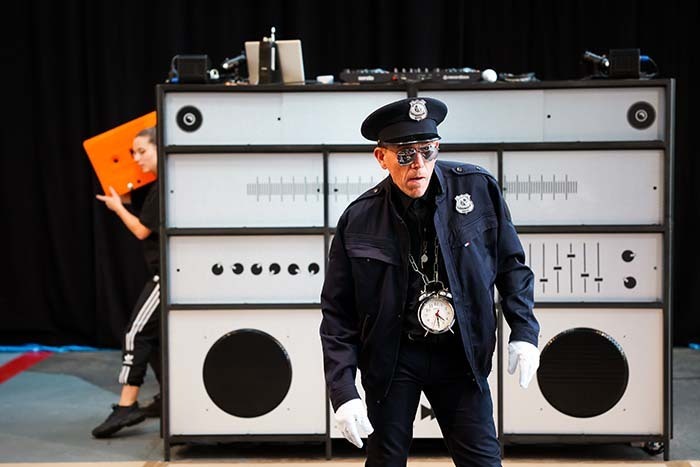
(436, 314)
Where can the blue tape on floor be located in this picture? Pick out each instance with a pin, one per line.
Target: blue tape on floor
(47, 348)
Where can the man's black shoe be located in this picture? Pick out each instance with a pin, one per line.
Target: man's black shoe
(153, 409)
(118, 419)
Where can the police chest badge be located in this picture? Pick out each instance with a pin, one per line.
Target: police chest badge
(464, 203)
(417, 110)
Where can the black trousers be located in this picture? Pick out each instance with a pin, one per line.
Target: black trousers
(465, 414)
(141, 344)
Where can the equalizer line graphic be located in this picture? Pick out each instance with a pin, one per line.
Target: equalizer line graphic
(270, 188)
(598, 279)
(280, 188)
(350, 189)
(539, 187)
(557, 267)
(584, 274)
(579, 265)
(544, 279)
(571, 257)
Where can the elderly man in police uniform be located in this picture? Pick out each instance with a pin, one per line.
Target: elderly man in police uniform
(408, 295)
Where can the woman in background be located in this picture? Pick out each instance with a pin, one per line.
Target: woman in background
(141, 343)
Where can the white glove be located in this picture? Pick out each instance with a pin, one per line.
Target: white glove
(529, 358)
(353, 422)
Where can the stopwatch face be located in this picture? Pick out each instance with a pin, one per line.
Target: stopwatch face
(436, 315)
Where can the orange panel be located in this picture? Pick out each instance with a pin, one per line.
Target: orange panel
(110, 155)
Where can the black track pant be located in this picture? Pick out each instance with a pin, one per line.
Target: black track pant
(141, 344)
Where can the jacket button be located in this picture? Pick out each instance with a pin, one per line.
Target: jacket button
(376, 190)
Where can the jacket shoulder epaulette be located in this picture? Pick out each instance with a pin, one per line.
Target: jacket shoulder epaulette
(463, 168)
(371, 193)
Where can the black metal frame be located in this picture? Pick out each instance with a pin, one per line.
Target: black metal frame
(412, 89)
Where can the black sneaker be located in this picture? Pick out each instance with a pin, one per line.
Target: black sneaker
(153, 409)
(118, 419)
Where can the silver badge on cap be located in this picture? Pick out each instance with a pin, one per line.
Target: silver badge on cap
(417, 110)
(464, 203)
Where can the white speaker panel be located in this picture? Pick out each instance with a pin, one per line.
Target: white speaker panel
(600, 114)
(592, 114)
(640, 410)
(491, 117)
(270, 190)
(245, 269)
(584, 187)
(279, 118)
(329, 117)
(425, 425)
(485, 159)
(595, 267)
(350, 175)
(191, 334)
(226, 118)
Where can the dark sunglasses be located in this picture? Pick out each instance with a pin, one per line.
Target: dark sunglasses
(406, 156)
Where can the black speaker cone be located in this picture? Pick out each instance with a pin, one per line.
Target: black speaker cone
(641, 115)
(189, 118)
(247, 373)
(583, 372)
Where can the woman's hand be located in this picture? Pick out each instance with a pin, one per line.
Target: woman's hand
(113, 201)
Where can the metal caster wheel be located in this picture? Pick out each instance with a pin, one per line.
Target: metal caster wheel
(653, 448)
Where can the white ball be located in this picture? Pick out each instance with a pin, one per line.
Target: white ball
(489, 75)
(325, 79)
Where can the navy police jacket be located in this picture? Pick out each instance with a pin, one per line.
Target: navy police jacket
(366, 281)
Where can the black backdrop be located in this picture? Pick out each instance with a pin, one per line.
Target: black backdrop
(74, 68)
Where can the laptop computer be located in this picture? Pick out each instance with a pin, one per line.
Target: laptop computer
(290, 60)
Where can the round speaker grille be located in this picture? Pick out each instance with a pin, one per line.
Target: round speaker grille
(583, 372)
(247, 373)
(641, 115)
(189, 118)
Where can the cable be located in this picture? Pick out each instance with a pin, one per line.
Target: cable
(653, 74)
(173, 76)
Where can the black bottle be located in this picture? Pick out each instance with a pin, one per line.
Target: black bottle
(268, 60)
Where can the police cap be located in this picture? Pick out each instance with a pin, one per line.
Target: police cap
(406, 121)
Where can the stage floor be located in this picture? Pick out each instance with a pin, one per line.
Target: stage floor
(48, 411)
(420, 463)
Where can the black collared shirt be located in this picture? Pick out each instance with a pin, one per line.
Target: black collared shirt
(418, 214)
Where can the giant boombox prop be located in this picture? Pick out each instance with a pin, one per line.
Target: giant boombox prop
(251, 200)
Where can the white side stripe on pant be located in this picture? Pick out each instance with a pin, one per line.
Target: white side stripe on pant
(142, 318)
(137, 326)
(124, 375)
